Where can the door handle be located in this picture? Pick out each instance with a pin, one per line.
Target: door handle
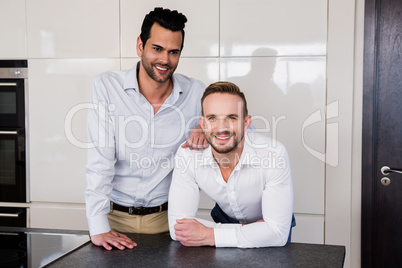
(8, 84)
(386, 170)
(8, 132)
(10, 215)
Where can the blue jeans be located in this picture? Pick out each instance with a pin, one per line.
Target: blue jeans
(218, 215)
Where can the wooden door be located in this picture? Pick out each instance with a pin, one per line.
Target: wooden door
(382, 135)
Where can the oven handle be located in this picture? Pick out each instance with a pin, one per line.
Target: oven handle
(9, 132)
(10, 215)
(8, 84)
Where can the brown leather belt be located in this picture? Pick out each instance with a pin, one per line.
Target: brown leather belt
(139, 210)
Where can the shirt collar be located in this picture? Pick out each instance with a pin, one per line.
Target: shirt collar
(176, 91)
(248, 153)
(130, 79)
(207, 158)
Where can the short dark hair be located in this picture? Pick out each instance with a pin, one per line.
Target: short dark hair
(168, 19)
(224, 87)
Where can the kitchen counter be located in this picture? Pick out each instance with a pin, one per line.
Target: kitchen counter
(161, 251)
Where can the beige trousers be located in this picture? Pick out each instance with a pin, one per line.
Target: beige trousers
(123, 222)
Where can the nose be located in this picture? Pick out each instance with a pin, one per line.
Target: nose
(223, 123)
(164, 57)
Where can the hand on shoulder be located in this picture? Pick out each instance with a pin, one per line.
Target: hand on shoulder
(196, 140)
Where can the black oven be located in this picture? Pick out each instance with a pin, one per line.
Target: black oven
(12, 104)
(12, 165)
(13, 126)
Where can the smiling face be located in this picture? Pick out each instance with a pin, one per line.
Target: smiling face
(161, 53)
(224, 123)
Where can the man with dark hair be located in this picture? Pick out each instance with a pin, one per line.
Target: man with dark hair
(173, 21)
(138, 120)
(247, 175)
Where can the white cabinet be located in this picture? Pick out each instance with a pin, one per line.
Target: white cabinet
(12, 29)
(73, 28)
(58, 96)
(287, 27)
(308, 229)
(58, 216)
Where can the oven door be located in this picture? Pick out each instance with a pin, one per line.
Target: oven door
(12, 112)
(12, 165)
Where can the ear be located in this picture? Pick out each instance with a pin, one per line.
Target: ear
(140, 46)
(247, 122)
(202, 122)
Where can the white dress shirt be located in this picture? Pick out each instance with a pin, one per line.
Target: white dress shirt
(132, 159)
(260, 187)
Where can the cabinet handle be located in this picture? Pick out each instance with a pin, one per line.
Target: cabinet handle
(10, 215)
(8, 84)
(9, 132)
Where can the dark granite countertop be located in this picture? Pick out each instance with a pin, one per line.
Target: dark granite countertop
(161, 251)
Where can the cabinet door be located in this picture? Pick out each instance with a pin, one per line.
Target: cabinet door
(58, 103)
(12, 29)
(71, 217)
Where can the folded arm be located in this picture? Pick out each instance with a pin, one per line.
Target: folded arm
(272, 230)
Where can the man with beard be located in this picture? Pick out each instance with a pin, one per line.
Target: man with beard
(138, 120)
(247, 175)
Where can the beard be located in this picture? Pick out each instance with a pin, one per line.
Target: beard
(230, 147)
(149, 68)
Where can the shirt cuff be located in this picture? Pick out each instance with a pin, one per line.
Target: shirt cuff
(98, 225)
(225, 237)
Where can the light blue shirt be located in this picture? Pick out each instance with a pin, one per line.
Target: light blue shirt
(132, 161)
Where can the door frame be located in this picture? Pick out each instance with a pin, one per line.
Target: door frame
(368, 134)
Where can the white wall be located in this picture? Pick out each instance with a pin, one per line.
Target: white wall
(299, 63)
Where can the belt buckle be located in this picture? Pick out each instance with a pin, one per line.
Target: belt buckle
(131, 211)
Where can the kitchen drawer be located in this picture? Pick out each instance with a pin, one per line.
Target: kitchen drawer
(13, 216)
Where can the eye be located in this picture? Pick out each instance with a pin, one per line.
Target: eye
(175, 52)
(212, 118)
(158, 49)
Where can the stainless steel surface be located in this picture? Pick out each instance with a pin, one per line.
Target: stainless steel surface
(47, 247)
(385, 181)
(8, 84)
(386, 170)
(12, 132)
(19, 72)
(9, 215)
(36, 248)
